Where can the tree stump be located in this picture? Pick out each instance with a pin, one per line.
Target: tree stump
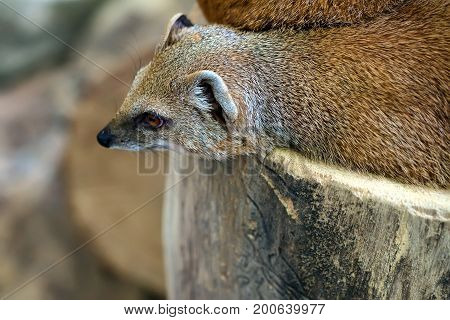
(289, 228)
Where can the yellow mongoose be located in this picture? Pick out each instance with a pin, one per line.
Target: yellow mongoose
(259, 15)
(370, 97)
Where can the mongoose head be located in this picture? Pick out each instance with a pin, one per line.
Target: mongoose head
(190, 96)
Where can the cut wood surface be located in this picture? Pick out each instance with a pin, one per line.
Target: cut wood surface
(290, 228)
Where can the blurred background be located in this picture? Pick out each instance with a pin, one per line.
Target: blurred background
(64, 70)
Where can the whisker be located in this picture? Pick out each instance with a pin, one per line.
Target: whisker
(136, 49)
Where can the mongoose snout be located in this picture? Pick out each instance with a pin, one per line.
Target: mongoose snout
(370, 97)
(105, 138)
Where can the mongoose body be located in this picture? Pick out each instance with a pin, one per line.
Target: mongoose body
(371, 98)
(259, 15)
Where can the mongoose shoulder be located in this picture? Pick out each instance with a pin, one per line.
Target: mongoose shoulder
(371, 98)
(258, 15)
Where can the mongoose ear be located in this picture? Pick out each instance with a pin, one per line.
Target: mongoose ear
(211, 94)
(173, 32)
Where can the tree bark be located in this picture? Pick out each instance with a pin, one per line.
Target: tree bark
(290, 228)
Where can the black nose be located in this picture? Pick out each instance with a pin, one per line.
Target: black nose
(105, 138)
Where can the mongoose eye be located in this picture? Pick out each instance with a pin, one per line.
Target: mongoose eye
(152, 121)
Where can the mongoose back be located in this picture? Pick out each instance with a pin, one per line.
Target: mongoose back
(371, 98)
(257, 15)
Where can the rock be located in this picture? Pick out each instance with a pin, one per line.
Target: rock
(26, 48)
(290, 228)
(35, 229)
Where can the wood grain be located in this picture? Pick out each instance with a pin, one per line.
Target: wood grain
(293, 229)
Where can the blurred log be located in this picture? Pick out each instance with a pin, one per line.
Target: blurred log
(293, 229)
(103, 186)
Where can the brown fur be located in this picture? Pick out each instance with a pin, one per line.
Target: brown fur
(274, 14)
(372, 97)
